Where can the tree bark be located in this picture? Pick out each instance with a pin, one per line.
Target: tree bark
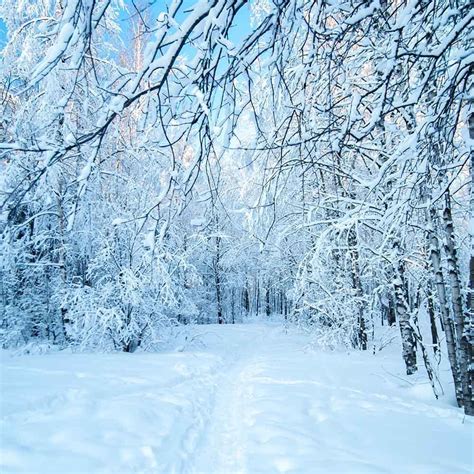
(456, 298)
(403, 316)
(468, 335)
(267, 300)
(232, 305)
(432, 315)
(217, 279)
(435, 258)
(357, 285)
(64, 319)
(245, 297)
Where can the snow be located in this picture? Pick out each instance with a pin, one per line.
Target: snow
(58, 48)
(198, 221)
(119, 221)
(85, 172)
(202, 103)
(231, 49)
(149, 240)
(363, 13)
(228, 399)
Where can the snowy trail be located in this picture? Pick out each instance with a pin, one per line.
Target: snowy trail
(224, 444)
(250, 399)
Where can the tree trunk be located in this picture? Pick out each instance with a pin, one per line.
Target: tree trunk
(257, 297)
(456, 298)
(357, 285)
(64, 322)
(232, 305)
(217, 279)
(245, 297)
(468, 336)
(391, 312)
(267, 300)
(435, 258)
(403, 316)
(431, 312)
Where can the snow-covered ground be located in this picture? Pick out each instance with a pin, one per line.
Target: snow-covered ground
(236, 399)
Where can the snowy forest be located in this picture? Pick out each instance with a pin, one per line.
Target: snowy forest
(201, 165)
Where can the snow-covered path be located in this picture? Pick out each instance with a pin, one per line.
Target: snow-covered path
(239, 399)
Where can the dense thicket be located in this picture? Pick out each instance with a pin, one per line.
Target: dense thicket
(168, 165)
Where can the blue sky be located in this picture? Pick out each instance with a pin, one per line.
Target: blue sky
(238, 32)
(3, 34)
